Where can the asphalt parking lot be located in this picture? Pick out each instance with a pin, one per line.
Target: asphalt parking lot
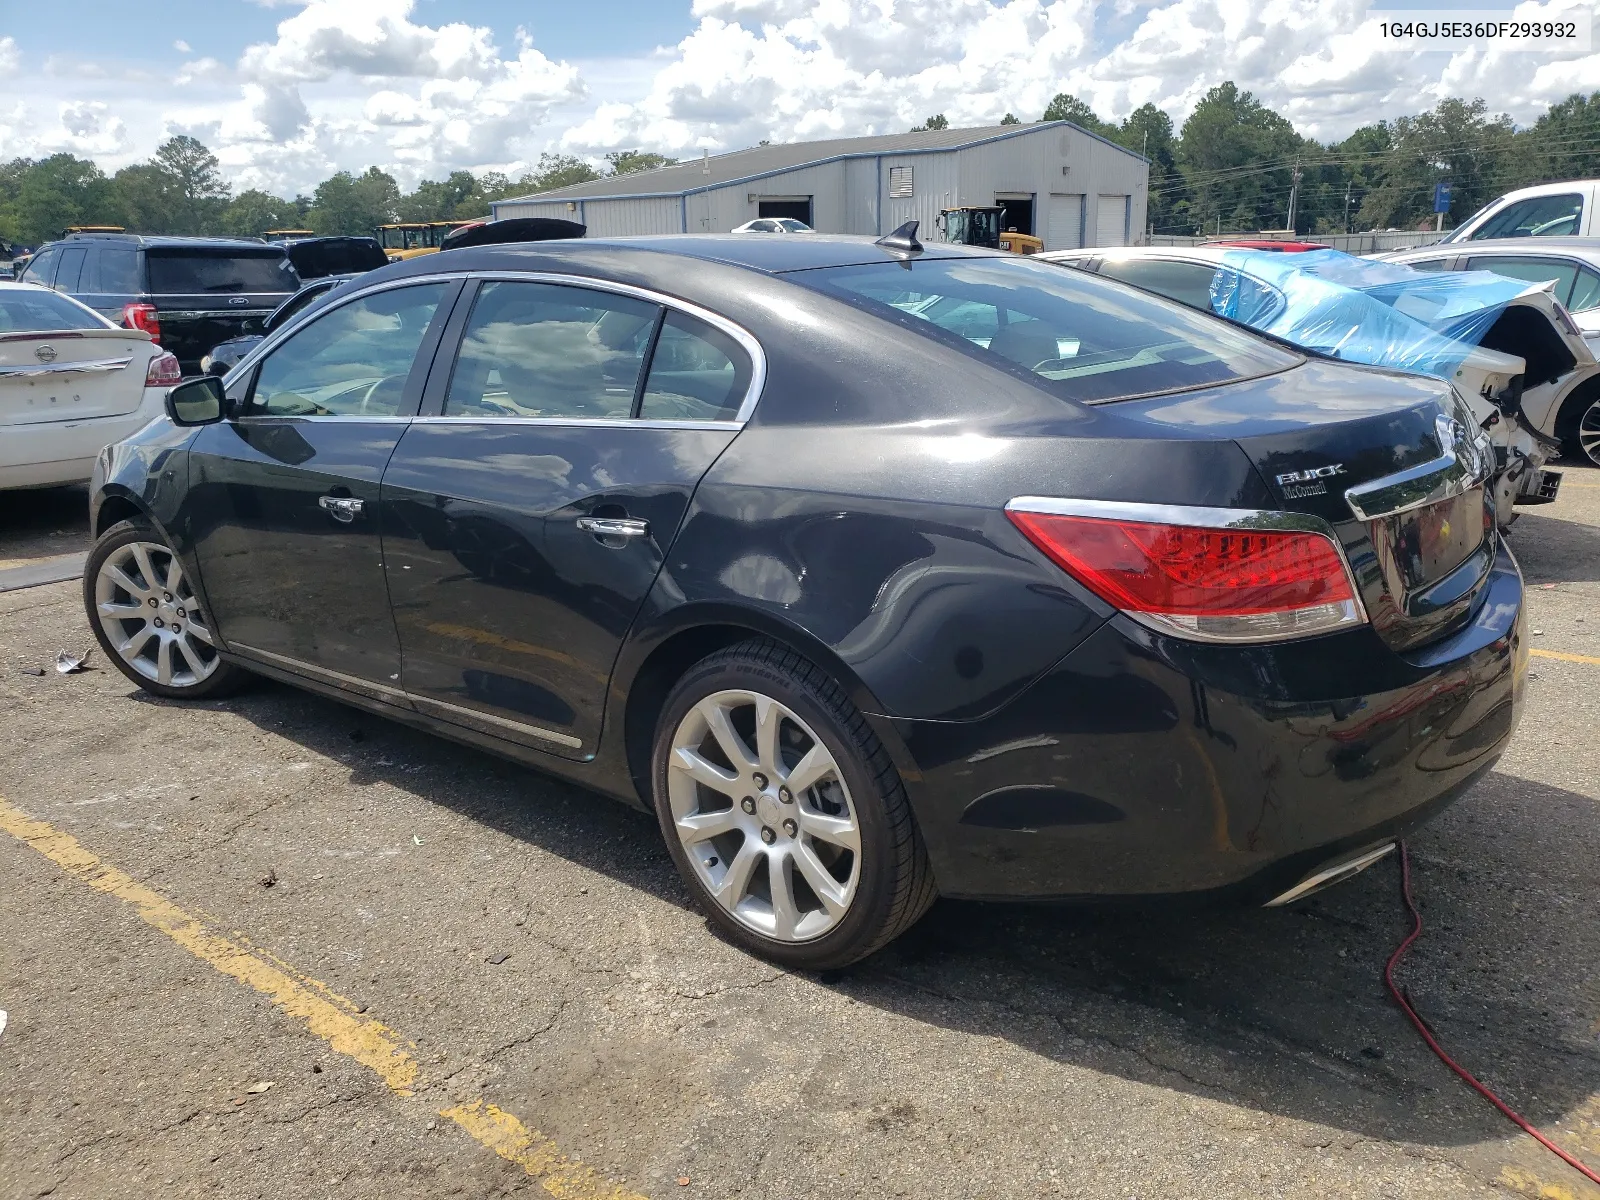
(274, 947)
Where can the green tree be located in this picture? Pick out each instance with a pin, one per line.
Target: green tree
(553, 171)
(439, 200)
(1237, 158)
(253, 212)
(1069, 108)
(1564, 143)
(55, 192)
(149, 200)
(937, 121)
(354, 204)
(627, 162)
(1011, 119)
(1457, 141)
(1148, 131)
(202, 193)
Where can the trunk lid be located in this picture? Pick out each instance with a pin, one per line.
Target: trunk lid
(72, 375)
(1393, 463)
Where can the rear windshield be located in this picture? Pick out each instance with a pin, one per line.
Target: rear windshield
(192, 272)
(1085, 338)
(24, 310)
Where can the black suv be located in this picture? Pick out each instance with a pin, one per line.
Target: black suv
(189, 293)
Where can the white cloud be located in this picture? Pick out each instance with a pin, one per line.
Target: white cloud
(181, 46)
(815, 68)
(348, 83)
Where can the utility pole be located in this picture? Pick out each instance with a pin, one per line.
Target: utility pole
(1294, 194)
(1347, 206)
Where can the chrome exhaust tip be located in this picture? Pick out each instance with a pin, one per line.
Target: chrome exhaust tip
(1334, 872)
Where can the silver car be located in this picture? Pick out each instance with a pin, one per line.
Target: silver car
(1572, 265)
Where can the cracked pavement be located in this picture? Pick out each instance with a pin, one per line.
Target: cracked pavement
(995, 1051)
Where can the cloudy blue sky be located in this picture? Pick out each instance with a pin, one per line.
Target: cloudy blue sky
(287, 91)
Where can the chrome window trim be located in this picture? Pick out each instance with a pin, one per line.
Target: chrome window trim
(747, 340)
(580, 422)
(1204, 518)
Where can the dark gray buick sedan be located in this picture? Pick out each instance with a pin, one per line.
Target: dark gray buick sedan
(877, 571)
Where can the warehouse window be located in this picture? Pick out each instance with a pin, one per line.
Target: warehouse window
(900, 183)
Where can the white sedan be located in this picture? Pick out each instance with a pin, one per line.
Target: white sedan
(71, 383)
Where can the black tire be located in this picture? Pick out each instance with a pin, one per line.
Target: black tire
(895, 885)
(224, 678)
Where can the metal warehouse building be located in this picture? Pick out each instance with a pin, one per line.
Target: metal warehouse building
(1055, 180)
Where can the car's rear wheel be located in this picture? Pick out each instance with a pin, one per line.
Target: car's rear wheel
(784, 812)
(147, 618)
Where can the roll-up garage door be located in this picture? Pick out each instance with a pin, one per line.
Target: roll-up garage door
(1111, 221)
(1065, 230)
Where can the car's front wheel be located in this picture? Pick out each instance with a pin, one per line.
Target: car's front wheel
(783, 811)
(147, 618)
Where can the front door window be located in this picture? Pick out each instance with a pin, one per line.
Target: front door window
(353, 361)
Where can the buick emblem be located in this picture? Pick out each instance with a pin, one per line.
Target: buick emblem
(45, 354)
(239, 300)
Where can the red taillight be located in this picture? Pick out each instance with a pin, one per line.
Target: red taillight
(163, 371)
(142, 316)
(1234, 583)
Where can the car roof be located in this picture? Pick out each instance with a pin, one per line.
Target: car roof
(1209, 254)
(172, 241)
(1578, 247)
(769, 255)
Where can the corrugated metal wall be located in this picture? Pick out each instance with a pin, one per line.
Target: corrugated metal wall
(1064, 170)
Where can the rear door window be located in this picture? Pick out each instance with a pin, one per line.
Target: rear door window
(190, 273)
(1082, 337)
(69, 269)
(1540, 216)
(697, 373)
(119, 271)
(1535, 270)
(1585, 291)
(548, 350)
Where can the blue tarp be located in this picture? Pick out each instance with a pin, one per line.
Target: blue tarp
(1363, 310)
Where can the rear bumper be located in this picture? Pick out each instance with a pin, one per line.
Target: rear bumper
(61, 452)
(1142, 765)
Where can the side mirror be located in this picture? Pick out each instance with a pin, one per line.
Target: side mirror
(197, 402)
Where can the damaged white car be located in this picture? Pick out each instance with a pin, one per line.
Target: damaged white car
(1508, 346)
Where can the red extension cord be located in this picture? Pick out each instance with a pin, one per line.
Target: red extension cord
(1400, 999)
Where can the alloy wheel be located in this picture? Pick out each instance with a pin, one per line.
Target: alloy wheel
(1589, 433)
(764, 815)
(151, 617)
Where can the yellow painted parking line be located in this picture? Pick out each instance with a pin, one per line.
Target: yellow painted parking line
(1564, 657)
(324, 1012)
(538, 1156)
(7, 563)
(1529, 1184)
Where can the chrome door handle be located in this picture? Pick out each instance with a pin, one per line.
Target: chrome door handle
(341, 508)
(617, 527)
